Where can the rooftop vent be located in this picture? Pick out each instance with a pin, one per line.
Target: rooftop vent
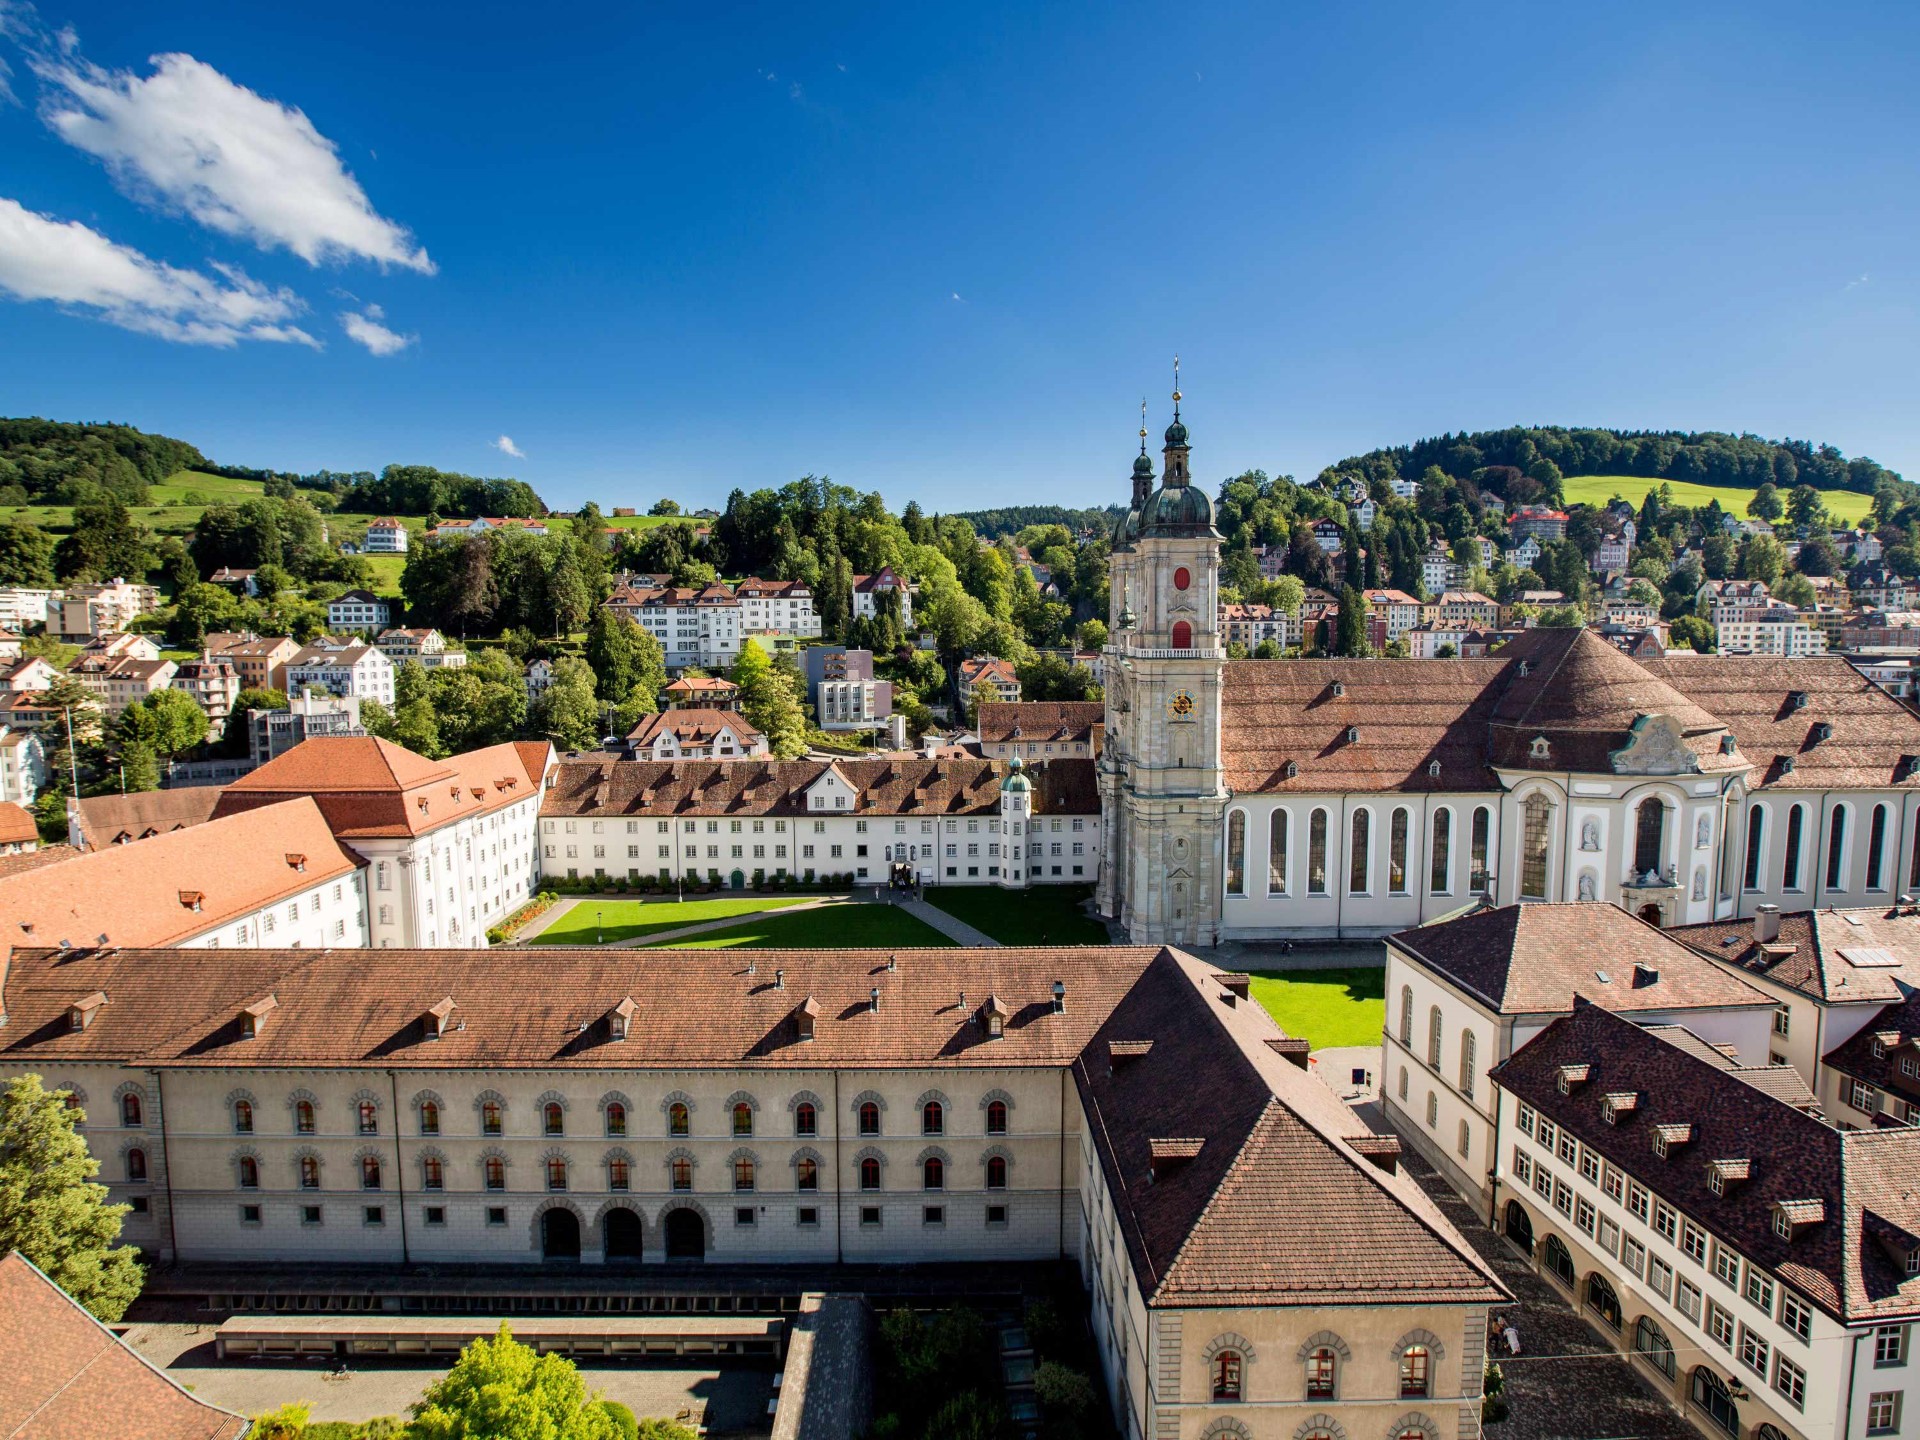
(779, 979)
(1787, 764)
(1726, 744)
(1766, 924)
(1381, 1151)
(1822, 731)
(1290, 1049)
(80, 1013)
(1169, 1155)
(1059, 996)
(437, 1017)
(1525, 669)
(1797, 699)
(873, 1000)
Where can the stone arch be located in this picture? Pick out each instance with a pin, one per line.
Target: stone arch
(553, 1202)
(494, 1152)
(864, 1096)
(934, 1152)
(1228, 1341)
(426, 1097)
(480, 1100)
(1327, 1338)
(130, 1087)
(140, 1144)
(431, 1152)
(870, 1152)
(618, 1202)
(743, 1153)
(741, 1097)
(805, 1097)
(555, 1152)
(992, 1095)
(935, 1097)
(993, 1152)
(1321, 1421)
(1226, 1426)
(299, 1158)
(668, 1100)
(73, 1088)
(805, 1152)
(294, 1097)
(615, 1097)
(1431, 1341)
(234, 1097)
(681, 1152)
(243, 1152)
(616, 1152)
(364, 1096)
(552, 1097)
(1413, 1420)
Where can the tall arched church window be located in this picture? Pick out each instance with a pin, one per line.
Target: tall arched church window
(1877, 848)
(1277, 853)
(1536, 833)
(1477, 851)
(1756, 833)
(1397, 851)
(1317, 853)
(1359, 857)
(1440, 857)
(1237, 853)
(1182, 635)
(1836, 847)
(1649, 835)
(1790, 868)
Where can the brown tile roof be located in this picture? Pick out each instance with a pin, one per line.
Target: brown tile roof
(900, 784)
(16, 825)
(1896, 1031)
(1816, 950)
(986, 667)
(33, 859)
(1533, 959)
(371, 787)
(1782, 1082)
(1862, 1178)
(1199, 1227)
(67, 1373)
(1040, 720)
(702, 685)
(116, 819)
(692, 726)
(132, 894)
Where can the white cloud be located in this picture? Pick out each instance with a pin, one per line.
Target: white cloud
(506, 446)
(365, 328)
(79, 268)
(189, 138)
(1854, 284)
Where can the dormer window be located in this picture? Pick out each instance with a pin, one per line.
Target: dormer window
(192, 899)
(254, 1017)
(80, 1014)
(437, 1017)
(805, 1017)
(1293, 769)
(995, 1016)
(1571, 1076)
(1540, 749)
(1339, 688)
(1614, 1106)
(1353, 734)
(298, 862)
(1433, 768)
(620, 1021)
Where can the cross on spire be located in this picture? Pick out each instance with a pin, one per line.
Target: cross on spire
(1176, 387)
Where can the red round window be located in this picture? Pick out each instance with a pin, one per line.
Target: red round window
(1181, 579)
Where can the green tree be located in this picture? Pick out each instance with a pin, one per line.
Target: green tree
(1562, 617)
(1690, 632)
(626, 659)
(770, 700)
(1766, 504)
(1806, 509)
(289, 1422)
(1763, 558)
(664, 507)
(1350, 632)
(569, 715)
(26, 554)
(500, 1389)
(166, 722)
(52, 1211)
(104, 542)
(139, 768)
(1795, 590)
(1092, 635)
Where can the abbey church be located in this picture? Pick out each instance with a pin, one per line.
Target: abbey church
(1274, 799)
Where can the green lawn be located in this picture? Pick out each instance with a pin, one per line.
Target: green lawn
(1044, 915)
(649, 522)
(1845, 505)
(597, 918)
(833, 927)
(1326, 1007)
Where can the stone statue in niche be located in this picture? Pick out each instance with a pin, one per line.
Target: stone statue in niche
(1590, 834)
(1699, 884)
(1703, 832)
(1586, 880)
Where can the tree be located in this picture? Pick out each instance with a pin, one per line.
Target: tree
(52, 1211)
(1092, 635)
(568, 714)
(1766, 504)
(500, 1389)
(26, 555)
(1562, 617)
(664, 507)
(166, 722)
(1690, 632)
(1795, 590)
(1350, 633)
(625, 658)
(139, 768)
(1806, 509)
(1763, 558)
(770, 700)
(104, 542)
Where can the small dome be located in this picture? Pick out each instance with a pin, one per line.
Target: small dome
(1121, 524)
(1176, 433)
(1142, 466)
(1016, 782)
(1177, 510)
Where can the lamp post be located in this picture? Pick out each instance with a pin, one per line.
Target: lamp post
(599, 933)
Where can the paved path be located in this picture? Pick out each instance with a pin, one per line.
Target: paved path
(955, 930)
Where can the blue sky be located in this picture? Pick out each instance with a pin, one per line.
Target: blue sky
(943, 251)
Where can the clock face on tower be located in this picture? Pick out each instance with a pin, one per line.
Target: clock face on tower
(1181, 706)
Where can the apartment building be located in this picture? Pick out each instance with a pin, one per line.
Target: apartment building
(987, 678)
(1400, 611)
(1249, 625)
(214, 685)
(1541, 523)
(23, 766)
(842, 688)
(359, 610)
(342, 667)
(488, 525)
(87, 610)
(782, 607)
(694, 627)
(1462, 610)
(260, 662)
(426, 648)
(693, 734)
(385, 536)
(118, 681)
(23, 607)
(1035, 730)
(871, 591)
(271, 733)
(1783, 632)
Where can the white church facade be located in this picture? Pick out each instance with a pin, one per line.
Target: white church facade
(1351, 798)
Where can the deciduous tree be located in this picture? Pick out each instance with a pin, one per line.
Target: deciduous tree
(500, 1389)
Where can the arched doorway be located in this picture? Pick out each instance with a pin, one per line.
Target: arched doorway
(738, 880)
(1559, 1260)
(1603, 1300)
(686, 1235)
(1519, 1226)
(622, 1233)
(1709, 1393)
(560, 1234)
(1650, 914)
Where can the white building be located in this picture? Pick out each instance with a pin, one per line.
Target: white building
(214, 685)
(426, 648)
(869, 590)
(696, 734)
(782, 607)
(87, 610)
(694, 627)
(1775, 632)
(23, 766)
(342, 667)
(385, 536)
(359, 610)
(1399, 610)
(450, 844)
(22, 607)
(1252, 625)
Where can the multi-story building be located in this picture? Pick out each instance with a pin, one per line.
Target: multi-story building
(27, 674)
(703, 692)
(1774, 632)
(1399, 610)
(694, 627)
(342, 667)
(97, 821)
(1523, 555)
(213, 684)
(1462, 610)
(86, 610)
(261, 663)
(426, 648)
(986, 678)
(271, 733)
(1760, 1266)
(783, 607)
(385, 536)
(842, 688)
(1541, 523)
(696, 735)
(1722, 602)
(1042, 729)
(22, 607)
(488, 525)
(19, 834)
(1465, 993)
(1132, 1114)
(23, 766)
(450, 845)
(1609, 555)
(951, 822)
(1249, 625)
(1437, 567)
(870, 592)
(359, 610)
(118, 681)
(1877, 587)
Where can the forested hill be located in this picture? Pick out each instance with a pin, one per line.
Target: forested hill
(1705, 457)
(1014, 518)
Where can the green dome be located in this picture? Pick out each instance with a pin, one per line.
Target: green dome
(1122, 526)
(1142, 466)
(1177, 510)
(1016, 782)
(1176, 433)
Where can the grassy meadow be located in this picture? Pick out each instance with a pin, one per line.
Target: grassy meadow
(1597, 490)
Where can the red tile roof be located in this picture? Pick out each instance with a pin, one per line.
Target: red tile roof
(1041, 720)
(371, 787)
(692, 727)
(1812, 952)
(17, 826)
(117, 819)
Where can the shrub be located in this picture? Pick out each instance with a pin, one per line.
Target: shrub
(622, 1418)
(289, 1422)
(381, 1427)
(662, 1430)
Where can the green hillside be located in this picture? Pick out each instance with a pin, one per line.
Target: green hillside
(1845, 505)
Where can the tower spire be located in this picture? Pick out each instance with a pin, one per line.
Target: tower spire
(1143, 424)
(1176, 387)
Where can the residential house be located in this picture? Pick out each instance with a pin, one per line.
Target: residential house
(19, 833)
(1610, 554)
(843, 691)
(260, 662)
(696, 735)
(359, 610)
(425, 647)
(1039, 730)
(1251, 625)
(342, 667)
(1725, 602)
(1463, 608)
(987, 677)
(1328, 535)
(24, 771)
(782, 607)
(487, 525)
(1436, 567)
(868, 590)
(234, 578)
(118, 681)
(694, 627)
(1523, 555)
(703, 692)
(101, 609)
(214, 685)
(1399, 610)
(385, 536)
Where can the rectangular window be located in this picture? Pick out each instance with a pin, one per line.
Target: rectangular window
(1660, 1277)
(996, 1215)
(1589, 1166)
(807, 1216)
(744, 1214)
(1862, 1096)
(374, 1215)
(933, 1215)
(870, 1217)
(1522, 1166)
(1687, 1300)
(1633, 1255)
(1720, 1323)
(1693, 1240)
(1759, 1291)
(1567, 1149)
(496, 1215)
(1796, 1315)
(249, 1214)
(1563, 1197)
(1883, 1412)
(436, 1215)
(1726, 1267)
(309, 1214)
(1583, 1215)
(1664, 1220)
(1889, 1346)
(1542, 1182)
(1791, 1381)
(1545, 1134)
(1755, 1352)
(1614, 1185)
(1524, 1119)
(1608, 1235)
(1637, 1202)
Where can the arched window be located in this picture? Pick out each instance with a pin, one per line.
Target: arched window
(619, 1173)
(309, 1172)
(933, 1118)
(996, 1172)
(1536, 833)
(136, 1165)
(1433, 1036)
(1603, 1300)
(1322, 1372)
(303, 1117)
(1790, 869)
(806, 1119)
(742, 1118)
(806, 1173)
(1756, 833)
(616, 1118)
(1317, 853)
(1416, 1365)
(495, 1171)
(1277, 853)
(243, 1117)
(553, 1118)
(1836, 846)
(1433, 1110)
(490, 1117)
(1182, 635)
(433, 1173)
(1709, 1393)
(429, 1117)
(1397, 852)
(1359, 860)
(1406, 1016)
(249, 1173)
(1649, 836)
(369, 1172)
(1877, 848)
(1237, 853)
(130, 1110)
(679, 1118)
(1440, 862)
(1227, 1370)
(742, 1173)
(556, 1173)
(869, 1117)
(1651, 1342)
(1469, 1055)
(1465, 1143)
(680, 1173)
(997, 1118)
(1477, 850)
(1559, 1259)
(869, 1174)
(933, 1174)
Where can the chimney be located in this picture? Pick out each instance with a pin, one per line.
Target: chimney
(873, 1000)
(779, 979)
(1766, 924)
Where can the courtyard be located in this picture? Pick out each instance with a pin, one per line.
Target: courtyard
(598, 919)
(1330, 1009)
(834, 927)
(1044, 915)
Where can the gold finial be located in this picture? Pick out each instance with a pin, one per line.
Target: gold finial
(1176, 387)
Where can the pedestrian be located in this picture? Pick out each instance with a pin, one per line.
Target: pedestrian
(1513, 1339)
